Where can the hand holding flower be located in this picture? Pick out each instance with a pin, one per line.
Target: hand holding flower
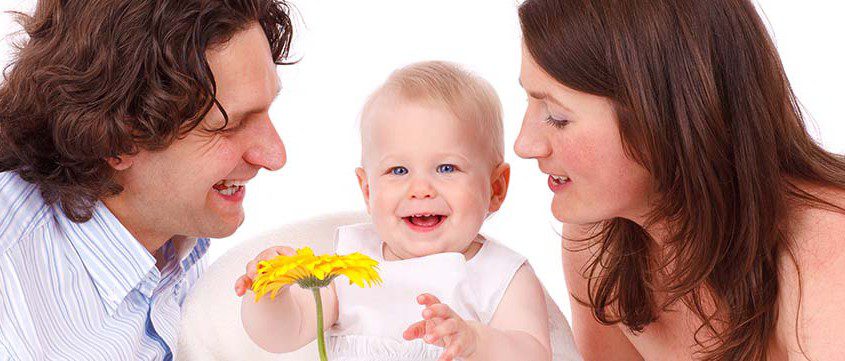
(245, 281)
(276, 269)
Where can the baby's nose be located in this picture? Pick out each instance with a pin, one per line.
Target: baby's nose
(421, 189)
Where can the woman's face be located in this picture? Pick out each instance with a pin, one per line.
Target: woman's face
(575, 138)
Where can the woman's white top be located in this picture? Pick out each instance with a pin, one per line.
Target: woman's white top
(371, 320)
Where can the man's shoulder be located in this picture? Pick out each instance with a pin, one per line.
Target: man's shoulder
(24, 210)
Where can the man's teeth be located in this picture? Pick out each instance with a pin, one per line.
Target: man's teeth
(228, 191)
(231, 183)
(231, 187)
(560, 178)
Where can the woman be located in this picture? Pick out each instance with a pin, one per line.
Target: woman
(705, 222)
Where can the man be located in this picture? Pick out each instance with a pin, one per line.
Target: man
(128, 130)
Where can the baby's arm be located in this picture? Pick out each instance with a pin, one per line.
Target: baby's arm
(519, 329)
(288, 322)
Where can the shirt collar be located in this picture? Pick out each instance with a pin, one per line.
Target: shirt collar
(187, 250)
(116, 262)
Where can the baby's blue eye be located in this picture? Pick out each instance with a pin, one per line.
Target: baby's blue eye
(399, 170)
(445, 168)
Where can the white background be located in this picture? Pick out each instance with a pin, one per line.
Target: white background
(348, 47)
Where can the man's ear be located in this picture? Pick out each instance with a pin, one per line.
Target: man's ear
(499, 180)
(120, 163)
(365, 186)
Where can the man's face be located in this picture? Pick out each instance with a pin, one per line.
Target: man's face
(195, 187)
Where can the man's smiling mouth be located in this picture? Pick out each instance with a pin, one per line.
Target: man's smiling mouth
(229, 187)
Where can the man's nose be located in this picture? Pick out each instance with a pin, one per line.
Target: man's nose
(266, 149)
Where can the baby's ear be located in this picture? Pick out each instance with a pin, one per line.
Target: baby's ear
(499, 180)
(365, 186)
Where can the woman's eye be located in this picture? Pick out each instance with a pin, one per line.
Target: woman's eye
(398, 170)
(445, 168)
(557, 123)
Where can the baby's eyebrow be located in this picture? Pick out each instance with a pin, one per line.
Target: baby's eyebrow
(460, 157)
(388, 159)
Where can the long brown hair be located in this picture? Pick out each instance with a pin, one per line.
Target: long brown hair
(102, 78)
(703, 103)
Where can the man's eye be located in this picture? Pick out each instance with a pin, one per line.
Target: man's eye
(445, 168)
(398, 170)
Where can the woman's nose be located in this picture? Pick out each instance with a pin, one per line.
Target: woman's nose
(531, 142)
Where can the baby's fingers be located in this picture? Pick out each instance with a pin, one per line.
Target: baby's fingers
(427, 299)
(459, 346)
(438, 310)
(267, 254)
(251, 269)
(450, 353)
(415, 331)
(442, 330)
(242, 284)
(272, 252)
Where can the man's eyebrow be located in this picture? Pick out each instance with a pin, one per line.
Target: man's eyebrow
(245, 113)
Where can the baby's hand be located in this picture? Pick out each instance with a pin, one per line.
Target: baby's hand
(443, 327)
(245, 282)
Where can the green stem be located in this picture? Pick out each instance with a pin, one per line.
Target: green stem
(321, 339)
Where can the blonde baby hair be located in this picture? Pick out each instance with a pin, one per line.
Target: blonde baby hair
(469, 97)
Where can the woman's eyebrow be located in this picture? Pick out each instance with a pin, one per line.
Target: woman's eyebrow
(544, 96)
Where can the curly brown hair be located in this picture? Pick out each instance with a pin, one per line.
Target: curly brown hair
(102, 78)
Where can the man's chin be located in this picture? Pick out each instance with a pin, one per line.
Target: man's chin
(223, 228)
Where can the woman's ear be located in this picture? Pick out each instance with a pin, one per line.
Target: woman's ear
(120, 163)
(365, 186)
(499, 180)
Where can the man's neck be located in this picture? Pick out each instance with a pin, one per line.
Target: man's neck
(149, 237)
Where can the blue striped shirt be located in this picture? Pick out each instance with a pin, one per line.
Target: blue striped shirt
(89, 291)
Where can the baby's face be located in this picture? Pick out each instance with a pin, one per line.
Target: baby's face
(426, 177)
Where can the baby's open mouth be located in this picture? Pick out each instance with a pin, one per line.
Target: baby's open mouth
(424, 222)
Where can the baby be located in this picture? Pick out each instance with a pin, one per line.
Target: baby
(432, 171)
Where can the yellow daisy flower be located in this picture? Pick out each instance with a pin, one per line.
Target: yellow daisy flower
(310, 271)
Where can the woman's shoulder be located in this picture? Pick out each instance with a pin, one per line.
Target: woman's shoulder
(816, 235)
(815, 228)
(812, 281)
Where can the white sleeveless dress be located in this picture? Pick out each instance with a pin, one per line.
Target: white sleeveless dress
(371, 320)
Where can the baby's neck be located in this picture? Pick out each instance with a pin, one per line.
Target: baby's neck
(469, 252)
